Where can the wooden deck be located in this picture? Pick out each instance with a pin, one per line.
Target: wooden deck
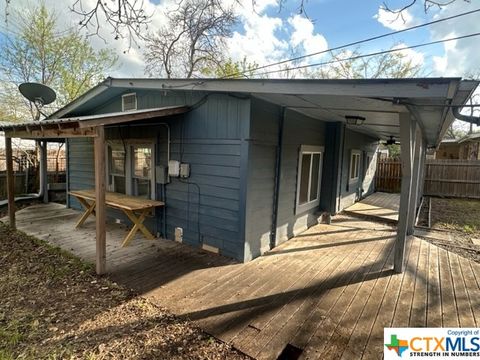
(378, 206)
(330, 291)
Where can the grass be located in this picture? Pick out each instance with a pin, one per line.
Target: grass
(456, 214)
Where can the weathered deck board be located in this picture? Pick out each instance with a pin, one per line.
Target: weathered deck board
(449, 307)
(434, 302)
(330, 291)
(379, 205)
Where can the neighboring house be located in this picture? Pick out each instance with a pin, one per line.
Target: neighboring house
(448, 149)
(469, 147)
(266, 157)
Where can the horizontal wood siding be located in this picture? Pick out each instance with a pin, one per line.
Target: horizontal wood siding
(209, 138)
(261, 177)
(81, 171)
(298, 130)
(351, 192)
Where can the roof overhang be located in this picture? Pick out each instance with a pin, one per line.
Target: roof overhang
(379, 101)
(85, 126)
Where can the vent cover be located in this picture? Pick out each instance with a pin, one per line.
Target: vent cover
(129, 102)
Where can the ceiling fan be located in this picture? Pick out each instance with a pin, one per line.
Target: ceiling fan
(391, 141)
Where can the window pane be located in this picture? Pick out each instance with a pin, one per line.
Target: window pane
(304, 178)
(117, 159)
(352, 166)
(314, 181)
(142, 162)
(357, 165)
(119, 184)
(142, 188)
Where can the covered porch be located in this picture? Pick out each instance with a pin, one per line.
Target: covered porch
(328, 292)
(378, 206)
(96, 199)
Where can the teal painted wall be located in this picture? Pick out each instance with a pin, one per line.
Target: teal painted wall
(210, 138)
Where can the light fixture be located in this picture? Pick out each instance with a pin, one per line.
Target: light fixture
(354, 119)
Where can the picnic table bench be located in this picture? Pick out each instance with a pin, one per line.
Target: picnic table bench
(130, 205)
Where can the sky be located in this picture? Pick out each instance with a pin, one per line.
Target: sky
(268, 32)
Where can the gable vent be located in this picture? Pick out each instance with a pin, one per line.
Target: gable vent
(129, 102)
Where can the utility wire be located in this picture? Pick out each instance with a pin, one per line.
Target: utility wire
(358, 42)
(370, 54)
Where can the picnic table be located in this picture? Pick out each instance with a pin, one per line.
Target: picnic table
(130, 205)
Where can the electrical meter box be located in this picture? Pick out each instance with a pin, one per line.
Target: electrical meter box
(184, 170)
(174, 168)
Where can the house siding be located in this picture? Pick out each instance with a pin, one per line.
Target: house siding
(81, 170)
(298, 130)
(264, 127)
(210, 138)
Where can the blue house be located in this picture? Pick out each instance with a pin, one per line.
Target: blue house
(244, 165)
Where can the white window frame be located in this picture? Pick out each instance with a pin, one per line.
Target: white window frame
(129, 145)
(358, 154)
(309, 149)
(110, 175)
(152, 170)
(123, 105)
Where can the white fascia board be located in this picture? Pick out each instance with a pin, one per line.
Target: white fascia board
(395, 88)
(92, 93)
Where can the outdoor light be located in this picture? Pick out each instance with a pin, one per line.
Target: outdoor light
(354, 120)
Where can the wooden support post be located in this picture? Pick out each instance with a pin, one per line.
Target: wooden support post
(406, 156)
(414, 194)
(100, 211)
(10, 182)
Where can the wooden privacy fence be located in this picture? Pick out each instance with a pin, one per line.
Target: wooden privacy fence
(455, 178)
(388, 177)
(450, 178)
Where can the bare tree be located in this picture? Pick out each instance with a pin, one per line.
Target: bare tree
(346, 65)
(126, 18)
(192, 40)
(427, 5)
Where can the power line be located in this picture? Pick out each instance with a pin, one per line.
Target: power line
(358, 42)
(370, 54)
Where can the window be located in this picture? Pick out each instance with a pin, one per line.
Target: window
(309, 177)
(142, 171)
(116, 173)
(354, 166)
(129, 102)
(130, 168)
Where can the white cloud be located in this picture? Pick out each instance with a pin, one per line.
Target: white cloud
(394, 21)
(258, 40)
(304, 36)
(460, 57)
(416, 57)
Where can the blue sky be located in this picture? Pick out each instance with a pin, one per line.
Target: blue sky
(269, 33)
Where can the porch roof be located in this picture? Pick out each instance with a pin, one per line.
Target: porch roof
(84, 126)
(379, 101)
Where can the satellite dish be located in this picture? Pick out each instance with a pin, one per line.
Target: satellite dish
(37, 93)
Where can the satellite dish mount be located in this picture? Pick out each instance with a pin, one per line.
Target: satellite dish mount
(38, 94)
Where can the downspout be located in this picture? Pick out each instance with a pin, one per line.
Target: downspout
(67, 172)
(467, 118)
(43, 173)
(276, 191)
